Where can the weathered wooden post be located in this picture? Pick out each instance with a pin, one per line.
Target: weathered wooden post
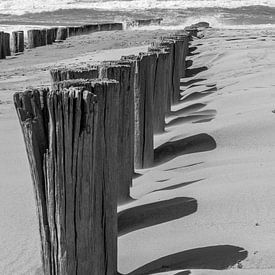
(7, 44)
(55, 29)
(62, 34)
(104, 27)
(61, 74)
(124, 73)
(116, 26)
(49, 36)
(192, 30)
(14, 42)
(20, 37)
(79, 30)
(2, 46)
(34, 38)
(71, 31)
(175, 92)
(145, 66)
(71, 139)
(160, 88)
(168, 46)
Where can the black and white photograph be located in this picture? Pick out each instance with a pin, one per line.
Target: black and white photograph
(137, 137)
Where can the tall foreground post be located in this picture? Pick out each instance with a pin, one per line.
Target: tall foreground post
(71, 140)
(125, 75)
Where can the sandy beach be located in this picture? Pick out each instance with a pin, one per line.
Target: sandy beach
(206, 206)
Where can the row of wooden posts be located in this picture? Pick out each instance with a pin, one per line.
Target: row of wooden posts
(11, 44)
(43, 37)
(84, 139)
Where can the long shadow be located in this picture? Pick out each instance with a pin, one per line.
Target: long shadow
(192, 49)
(212, 257)
(195, 71)
(198, 95)
(176, 186)
(188, 109)
(142, 216)
(192, 81)
(191, 118)
(188, 63)
(184, 166)
(193, 144)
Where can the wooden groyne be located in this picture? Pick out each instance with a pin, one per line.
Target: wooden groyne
(42, 37)
(84, 139)
(71, 140)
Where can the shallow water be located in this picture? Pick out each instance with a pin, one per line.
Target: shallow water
(248, 13)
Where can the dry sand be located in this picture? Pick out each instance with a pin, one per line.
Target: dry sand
(208, 203)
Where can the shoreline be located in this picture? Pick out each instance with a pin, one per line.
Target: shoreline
(232, 183)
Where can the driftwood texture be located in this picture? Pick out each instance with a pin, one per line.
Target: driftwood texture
(7, 44)
(14, 42)
(169, 47)
(144, 79)
(34, 38)
(161, 88)
(20, 42)
(61, 74)
(2, 45)
(124, 74)
(177, 51)
(71, 138)
(62, 34)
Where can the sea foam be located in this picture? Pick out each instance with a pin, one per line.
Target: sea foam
(34, 6)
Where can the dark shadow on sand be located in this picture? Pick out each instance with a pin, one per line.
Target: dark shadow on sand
(191, 108)
(195, 71)
(142, 216)
(198, 95)
(176, 186)
(212, 257)
(193, 144)
(190, 118)
(188, 63)
(184, 166)
(192, 81)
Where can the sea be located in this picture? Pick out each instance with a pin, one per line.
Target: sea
(24, 14)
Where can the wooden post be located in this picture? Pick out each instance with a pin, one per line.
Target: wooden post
(145, 66)
(116, 26)
(71, 31)
(92, 27)
(124, 73)
(169, 47)
(55, 29)
(175, 95)
(14, 42)
(61, 34)
(186, 36)
(193, 31)
(61, 74)
(71, 140)
(7, 44)
(43, 37)
(104, 27)
(20, 43)
(50, 36)
(34, 38)
(79, 30)
(2, 46)
(160, 89)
